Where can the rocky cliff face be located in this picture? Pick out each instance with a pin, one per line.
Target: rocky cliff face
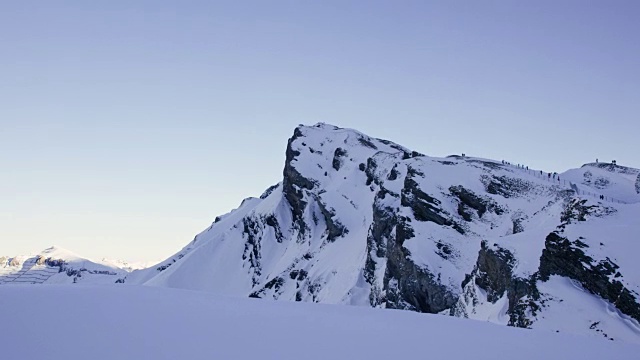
(363, 221)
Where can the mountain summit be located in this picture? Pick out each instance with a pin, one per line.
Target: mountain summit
(363, 221)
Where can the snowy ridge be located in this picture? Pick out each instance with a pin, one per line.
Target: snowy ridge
(55, 266)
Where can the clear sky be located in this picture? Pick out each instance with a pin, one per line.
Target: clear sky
(127, 126)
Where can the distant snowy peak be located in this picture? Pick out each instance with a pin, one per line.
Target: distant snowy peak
(56, 265)
(127, 265)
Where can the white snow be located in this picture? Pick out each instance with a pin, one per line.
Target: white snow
(222, 260)
(571, 309)
(25, 269)
(132, 322)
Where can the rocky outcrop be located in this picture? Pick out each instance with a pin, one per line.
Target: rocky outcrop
(370, 170)
(294, 183)
(506, 186)
(567, 258)
(334, 228)
(405, 285)
(272, 221)
(338, 154)
(468, 200)
(494, 274)
(424, 206)
(409, 286)
(379, 234)
(252, 230)
(577, 210)
(268, 192)
(638, 184)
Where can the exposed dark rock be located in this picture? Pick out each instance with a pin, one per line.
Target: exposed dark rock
(293, 183)
(273, 222)
(268, 192)
(274, 284)
(299, 275)
(445, 162)
(164, 267)
(462, 211)
(424, 206)
(494, 274)
(566, 258)
(409, 286)
(488, 164)
(468, 199)
(367, 143)
(638, 184)
(334, 228)
(393, 174)
(59, 263)
(362, 166)
(494, 271)
(337, 158)
(505, 186)
(384, 221)
(413, 172)
(576, 210)
(445, 250)
(614, 168)
(252, 253)
(404, 285)
(601, 183)
(405, 153)
(517, 225)
(370, 172)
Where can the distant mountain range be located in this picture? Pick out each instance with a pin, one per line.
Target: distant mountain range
(59, 266)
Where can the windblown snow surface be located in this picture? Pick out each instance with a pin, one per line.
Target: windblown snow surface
(137, 322)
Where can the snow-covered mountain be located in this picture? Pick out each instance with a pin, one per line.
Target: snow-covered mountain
(362, 221)
(56, 266)
(127, 265)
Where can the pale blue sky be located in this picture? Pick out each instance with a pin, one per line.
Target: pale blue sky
(126, 127)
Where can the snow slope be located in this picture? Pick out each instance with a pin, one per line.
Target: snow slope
(131, 322)
(363, 221)
(617, 183)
